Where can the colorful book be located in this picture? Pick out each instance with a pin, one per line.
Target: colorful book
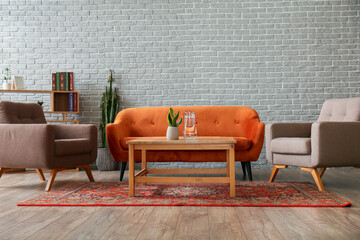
(66, 81)
(62, 81)
(75, 102)
(71, 102)
(57, 82)
(71, 81)
(53, 81)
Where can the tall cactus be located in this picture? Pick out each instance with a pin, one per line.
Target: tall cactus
(109, 107)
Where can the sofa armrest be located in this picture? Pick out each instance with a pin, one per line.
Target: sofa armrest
(27, 145)
(335, 144)
(114, 133)
(275, 130)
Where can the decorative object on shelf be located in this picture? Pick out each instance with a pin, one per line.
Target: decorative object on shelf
(18, 83)
(109, 108)
(190, 131)
(172, 132)
(7, 77)
(62, 81)
(41, 104)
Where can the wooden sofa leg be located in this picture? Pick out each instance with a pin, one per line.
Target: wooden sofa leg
(2, 170)
(314, 172)
(52, 178)
(275, 171)
(122, 171)
(41, 174)
(88, 172)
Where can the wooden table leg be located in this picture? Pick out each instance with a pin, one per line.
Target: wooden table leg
(231, 152)
(227, 163)
(143, 161)
(131, 171)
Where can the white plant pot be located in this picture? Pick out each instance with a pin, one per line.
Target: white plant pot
(172, 133)
(6, 86)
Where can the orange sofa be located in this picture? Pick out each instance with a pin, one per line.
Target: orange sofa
(241, 123)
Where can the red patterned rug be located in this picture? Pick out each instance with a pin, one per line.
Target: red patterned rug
(250, 194)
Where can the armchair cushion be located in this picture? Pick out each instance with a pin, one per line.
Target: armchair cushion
(15, 112)
(291, 145)
(72, 146)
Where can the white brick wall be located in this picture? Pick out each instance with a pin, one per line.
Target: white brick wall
(282, 58)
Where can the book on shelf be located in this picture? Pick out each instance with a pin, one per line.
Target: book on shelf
(53, 81)
(57, 82)
(71, 102)
(66, 81)
(62, 81)
(71, 81)
(75, 102)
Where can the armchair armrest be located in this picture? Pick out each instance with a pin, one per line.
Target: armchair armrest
(27, 145)
(275, 130)
(88, 131)
(335, 144)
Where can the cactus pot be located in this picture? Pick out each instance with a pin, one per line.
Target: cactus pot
(172, 133)
(104, 160)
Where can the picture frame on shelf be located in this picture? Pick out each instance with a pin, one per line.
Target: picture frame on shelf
(18, 83)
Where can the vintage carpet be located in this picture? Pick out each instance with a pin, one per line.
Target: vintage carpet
(252, 194)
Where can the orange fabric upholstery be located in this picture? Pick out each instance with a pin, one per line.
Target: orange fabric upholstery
(241, 123)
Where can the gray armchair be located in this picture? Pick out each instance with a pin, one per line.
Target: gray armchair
(332, 141)
(26, 141)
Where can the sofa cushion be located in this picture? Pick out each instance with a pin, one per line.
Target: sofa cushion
(242, 143)
(291, 145)
(72, 146)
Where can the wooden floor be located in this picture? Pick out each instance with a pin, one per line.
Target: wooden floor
(178, 222)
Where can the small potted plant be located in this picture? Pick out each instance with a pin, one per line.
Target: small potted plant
(172, 132)
(6, 84)
(41, 104)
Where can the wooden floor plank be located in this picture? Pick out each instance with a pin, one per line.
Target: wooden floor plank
(96, 224)
(224, 224)
(129, 224)
(256, 224)
(161, 224)
(193, 223)
(66, 223)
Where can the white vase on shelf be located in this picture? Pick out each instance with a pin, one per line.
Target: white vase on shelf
(6, 86)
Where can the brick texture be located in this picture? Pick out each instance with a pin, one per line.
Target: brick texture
(282, 58)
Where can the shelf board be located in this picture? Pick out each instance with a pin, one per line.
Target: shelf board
(60, 112)
(37, 91)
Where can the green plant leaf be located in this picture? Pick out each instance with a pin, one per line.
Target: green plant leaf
(179, 122)
(176, 117)
(169, 120)
(172, 112)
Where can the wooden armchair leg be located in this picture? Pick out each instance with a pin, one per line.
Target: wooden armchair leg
(88, 172)
(41, 174)
(314, 172)
(52, 178)
(2, 170)
(275, 171)
(321, 172)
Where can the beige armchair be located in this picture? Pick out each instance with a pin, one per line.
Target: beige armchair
(26, 141)
(332, 141)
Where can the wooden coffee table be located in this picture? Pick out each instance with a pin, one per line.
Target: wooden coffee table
(200, 143)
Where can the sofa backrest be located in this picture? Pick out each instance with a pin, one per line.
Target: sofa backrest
(210, 120)
(16, 112)
(346, 109)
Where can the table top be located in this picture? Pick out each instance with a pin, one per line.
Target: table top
(182, 141)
